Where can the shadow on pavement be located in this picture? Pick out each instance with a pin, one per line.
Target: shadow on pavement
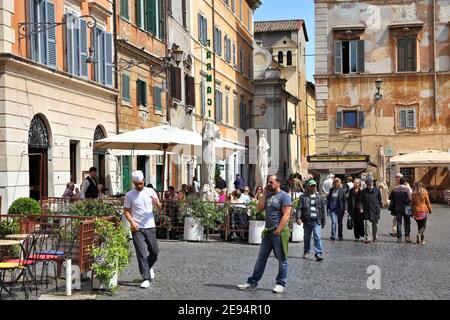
(230, 287)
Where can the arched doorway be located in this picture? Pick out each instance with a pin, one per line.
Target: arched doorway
(99, 156)
(38, 144)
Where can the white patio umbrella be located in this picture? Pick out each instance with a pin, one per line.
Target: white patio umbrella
(210, 134)
(263, 161)
(426, 158)
(156, 138)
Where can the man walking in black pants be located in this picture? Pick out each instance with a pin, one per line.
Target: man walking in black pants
(138, 207)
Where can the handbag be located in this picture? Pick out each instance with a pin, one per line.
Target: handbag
(349, 223)
(408, 211)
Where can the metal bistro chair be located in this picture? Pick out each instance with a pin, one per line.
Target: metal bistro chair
(24, 265)
(54, 249)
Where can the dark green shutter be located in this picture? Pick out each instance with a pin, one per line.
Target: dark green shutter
(361, 54)
(361, 119)
(157, 98)
(161, 19)
(138, 13)
(150, 16)
(338, 57)
(124, 9)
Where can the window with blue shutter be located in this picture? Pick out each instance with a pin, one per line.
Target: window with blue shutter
(83, 49)
(69, 18)
(126, 88)
(51, 35)
(108, 59)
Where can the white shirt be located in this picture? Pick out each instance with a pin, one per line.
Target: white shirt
(197, 186)
(246, 198)
(327, 185)
(141, 207)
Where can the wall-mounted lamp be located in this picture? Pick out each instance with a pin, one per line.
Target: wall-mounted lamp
(378, 95)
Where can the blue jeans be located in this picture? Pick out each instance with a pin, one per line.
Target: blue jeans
(334, 217)
(313, 227)
(268, 243)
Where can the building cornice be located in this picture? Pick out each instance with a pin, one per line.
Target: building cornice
(6, 58)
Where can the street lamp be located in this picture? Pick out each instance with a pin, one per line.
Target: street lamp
(378, 95)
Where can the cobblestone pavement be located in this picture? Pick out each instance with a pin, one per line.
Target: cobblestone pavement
(212, 270)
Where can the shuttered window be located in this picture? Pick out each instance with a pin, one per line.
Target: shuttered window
(175, 87)
(126, 96)
(241, 60)
(189, 84)
(141, 93)
(217, 41)
(43, 44)
(406, 54)
(203, 97)
(350, 119)
(139, 12)
(202, 29)
(124, 12)
(227, 108)
(227, 49)
(235, 111)
(104, 57)
(218, 105)
(407, 118)
(234, 54)
(161, 19)
(150, 16)
(76, 45)
(349, 56)
(157, 99)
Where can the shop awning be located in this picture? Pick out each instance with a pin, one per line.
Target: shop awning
(338, 164)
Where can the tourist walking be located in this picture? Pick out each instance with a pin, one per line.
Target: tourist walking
(138, 210)
(278, 206)
(408, 189)
(371, 208)
(355, 210)
(337, 208)
(89, 188)
(400, 205)
(311, 212)
(421, 207)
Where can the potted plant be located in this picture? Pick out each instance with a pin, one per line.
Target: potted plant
(198, 215)
(9, 226)
(25, 207)
(256, 224)
(111, 255)
(297, 230)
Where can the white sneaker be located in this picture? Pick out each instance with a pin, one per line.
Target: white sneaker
(247, 287)
(278, 289)
(152, 274)
(145, 284)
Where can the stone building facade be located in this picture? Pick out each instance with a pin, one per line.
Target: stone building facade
(404, 43)
(54, 100)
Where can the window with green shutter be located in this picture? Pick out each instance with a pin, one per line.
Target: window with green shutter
(126, 88)
(139, 12)
(150, 16)
(141, 91)
(157, 99)
(124, 12)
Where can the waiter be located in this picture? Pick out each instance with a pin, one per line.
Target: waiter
(138, 210)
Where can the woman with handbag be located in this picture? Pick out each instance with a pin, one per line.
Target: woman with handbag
(400, 204)
(421, 208)
(354, 209)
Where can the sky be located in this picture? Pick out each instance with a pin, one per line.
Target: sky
(292, 9)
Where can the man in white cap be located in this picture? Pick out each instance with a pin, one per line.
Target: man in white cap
(138, 209)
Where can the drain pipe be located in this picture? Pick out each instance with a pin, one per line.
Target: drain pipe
(435, 64)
